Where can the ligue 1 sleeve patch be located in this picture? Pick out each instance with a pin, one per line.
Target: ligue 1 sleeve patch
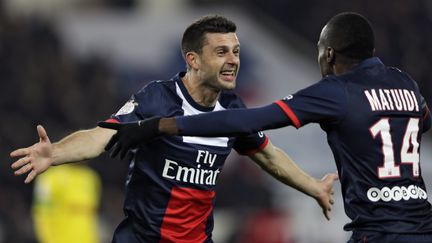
(288, 97)
(127, 108)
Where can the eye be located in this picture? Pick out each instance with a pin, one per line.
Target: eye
(220, 52)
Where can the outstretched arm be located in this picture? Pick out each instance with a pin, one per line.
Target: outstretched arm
(220, 123)
(78, 146)
(278, 164)
(230, 122)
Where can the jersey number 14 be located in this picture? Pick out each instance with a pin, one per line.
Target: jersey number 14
(390, 169)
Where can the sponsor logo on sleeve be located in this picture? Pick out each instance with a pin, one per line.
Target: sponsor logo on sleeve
(289, 97)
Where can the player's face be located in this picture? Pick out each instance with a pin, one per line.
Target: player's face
(325, 66)
(220, 60)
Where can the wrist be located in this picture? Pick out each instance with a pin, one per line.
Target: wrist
(167, 126)
(55, 158)
(150, 125)
(314, 190)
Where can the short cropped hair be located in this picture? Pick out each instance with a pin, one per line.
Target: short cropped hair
(194, 36)
(351, 35)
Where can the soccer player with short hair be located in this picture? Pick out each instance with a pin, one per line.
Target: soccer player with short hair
(170, 187)
(374, 117)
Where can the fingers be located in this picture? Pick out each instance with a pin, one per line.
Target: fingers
(20, 162)
(42, 133)
(30, 177)
(334, 176)
(326, 214)
(109, 125)
(123, 152)
(331, 177)
(116, 149)
(24, 169)
(326, 198)
(327, 208)
(119, 149)
(20, 152)
(112, 141)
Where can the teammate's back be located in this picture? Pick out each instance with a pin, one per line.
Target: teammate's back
(376, 147)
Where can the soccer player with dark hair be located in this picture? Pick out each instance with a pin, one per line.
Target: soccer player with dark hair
(171, 184)
(374, 117)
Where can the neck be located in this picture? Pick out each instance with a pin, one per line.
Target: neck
(199, 91)
(344, 64)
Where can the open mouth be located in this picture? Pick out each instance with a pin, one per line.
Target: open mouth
(228, 75)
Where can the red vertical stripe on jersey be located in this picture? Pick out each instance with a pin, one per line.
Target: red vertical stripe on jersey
(186, 216)
(289, 113)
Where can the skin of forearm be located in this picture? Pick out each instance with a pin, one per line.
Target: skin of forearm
(282, 167)
(81, 145)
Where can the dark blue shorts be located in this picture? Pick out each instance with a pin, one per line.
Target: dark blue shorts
(381, 237)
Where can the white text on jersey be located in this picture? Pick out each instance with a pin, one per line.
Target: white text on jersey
(172, 170)
(392, 100)
(208, 157)
(396, 193)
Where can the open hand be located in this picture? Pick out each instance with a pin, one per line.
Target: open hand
(34, 159)
(325, 197)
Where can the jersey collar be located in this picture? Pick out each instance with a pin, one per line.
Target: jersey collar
(373, 61)
(187, 96)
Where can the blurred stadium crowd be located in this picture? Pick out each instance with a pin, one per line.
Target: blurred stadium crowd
(402, 28)
(43, 83)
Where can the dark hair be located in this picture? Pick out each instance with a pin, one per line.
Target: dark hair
(194, 36)
(351, 35)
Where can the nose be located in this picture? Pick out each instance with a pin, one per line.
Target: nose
(233, 58)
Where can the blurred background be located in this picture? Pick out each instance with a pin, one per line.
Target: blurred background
(67, 64)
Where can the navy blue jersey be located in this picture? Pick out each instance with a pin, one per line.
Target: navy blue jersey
(170, 187)
(374, 117)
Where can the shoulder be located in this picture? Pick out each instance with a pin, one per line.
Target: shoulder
(327, 85)
(157, 86)
(405, 76)
(396, 71)
(156, 91)
(155, 98)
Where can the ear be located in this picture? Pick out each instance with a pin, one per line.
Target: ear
(193, 59)
(330, 54)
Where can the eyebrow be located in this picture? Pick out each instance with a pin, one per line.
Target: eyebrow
(225, 47)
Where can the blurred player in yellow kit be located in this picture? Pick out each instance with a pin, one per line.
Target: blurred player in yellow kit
(66, 201)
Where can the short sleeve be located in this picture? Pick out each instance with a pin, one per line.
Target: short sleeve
(250, 144)
(144, 104)
(324, 102)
